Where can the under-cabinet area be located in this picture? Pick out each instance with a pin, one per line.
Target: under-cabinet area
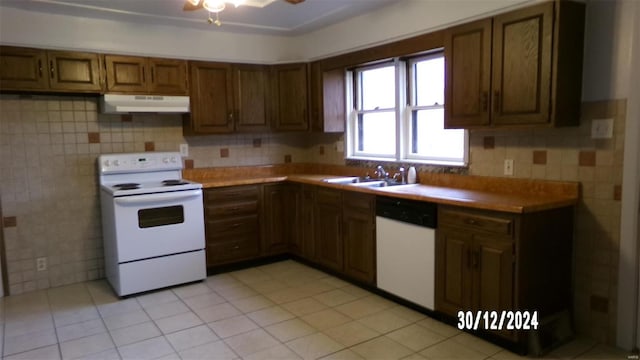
(482, 259)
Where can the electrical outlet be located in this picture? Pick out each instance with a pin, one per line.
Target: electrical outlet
(41, 264)
(602, 128)
(184, 150)
(508, 167)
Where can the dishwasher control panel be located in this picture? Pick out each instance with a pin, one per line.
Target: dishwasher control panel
(420, 213)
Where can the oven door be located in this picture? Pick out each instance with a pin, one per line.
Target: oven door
(152, 225)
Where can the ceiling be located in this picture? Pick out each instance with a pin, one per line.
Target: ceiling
(276, 17)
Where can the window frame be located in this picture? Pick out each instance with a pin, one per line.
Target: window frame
(405, 108)
(354, 102)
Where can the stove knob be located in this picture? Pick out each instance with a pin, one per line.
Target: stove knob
(116, 162)
(165, 160)
(107, 163)
(173, 159)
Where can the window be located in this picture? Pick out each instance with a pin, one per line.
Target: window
(380, 129)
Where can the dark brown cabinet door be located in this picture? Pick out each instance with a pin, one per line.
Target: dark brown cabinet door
(522, 44)
(290, 97)
(126, 74)
(251, 88)
(358, 235)
(453, 281)
(279, 214)
(333, 100)
(468, 75)
(493, 283)
(23, 69)
(74, 71)
(328, 228)
(167, 77)
(306, 224)
(327, 99)
(211, 98)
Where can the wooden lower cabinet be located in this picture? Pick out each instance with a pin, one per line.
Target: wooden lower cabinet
(328, 228)
(494, 261)
(232, 228)
(358, 236)
(280, 214)
(307, 249)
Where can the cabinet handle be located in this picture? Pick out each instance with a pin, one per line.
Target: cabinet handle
(230, 116)
(144, 79)
(52, 69)
(236, 247)
(40, 68)
(485, 101)
(496, 103)
(475, 259)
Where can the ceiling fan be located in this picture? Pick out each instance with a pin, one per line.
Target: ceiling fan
(216, 6)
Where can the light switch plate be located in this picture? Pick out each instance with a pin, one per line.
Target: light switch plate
(601, 128)
(508, 167)
(184, 150)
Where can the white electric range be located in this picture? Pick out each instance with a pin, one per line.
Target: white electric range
(152, 222)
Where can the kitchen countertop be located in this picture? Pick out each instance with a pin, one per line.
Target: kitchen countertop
(487, 193)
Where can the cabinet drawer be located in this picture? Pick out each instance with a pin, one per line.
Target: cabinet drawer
(361, 201)
(238, 249)
(230, 228)
(328, 196)
(232, 193)
(231, 209)
(477, 222)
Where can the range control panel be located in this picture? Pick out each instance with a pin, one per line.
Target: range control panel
(139, 162)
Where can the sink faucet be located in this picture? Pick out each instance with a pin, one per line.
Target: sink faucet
(402, 174)
(380, 173)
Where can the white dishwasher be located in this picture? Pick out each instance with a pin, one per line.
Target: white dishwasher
(405, 253)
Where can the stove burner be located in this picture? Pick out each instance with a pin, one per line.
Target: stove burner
(173, 182)
(127, 186)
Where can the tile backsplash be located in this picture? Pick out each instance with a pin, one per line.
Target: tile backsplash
(50, 203)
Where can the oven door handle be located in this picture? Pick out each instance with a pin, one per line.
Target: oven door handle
(155, 198)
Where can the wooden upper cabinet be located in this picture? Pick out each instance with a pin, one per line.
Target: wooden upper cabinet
(468, 74)
(168, 76)
(126, 74)
(74, 71)
(211, 99)
(290, 99)
(251, 87)
(522, 42)
(327, 98)
(131, 74)
(35, 69)
(519, 68)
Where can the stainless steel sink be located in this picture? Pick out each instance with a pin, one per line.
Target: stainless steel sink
(361, 181)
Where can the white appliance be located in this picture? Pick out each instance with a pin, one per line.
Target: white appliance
(152, 222)
(405, 249)
(118, 104)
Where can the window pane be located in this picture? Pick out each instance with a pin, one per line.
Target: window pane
(432, 140)
(378, 88)
(377, 133)
(429, 78)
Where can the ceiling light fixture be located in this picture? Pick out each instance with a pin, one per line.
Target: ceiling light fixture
(212, 6)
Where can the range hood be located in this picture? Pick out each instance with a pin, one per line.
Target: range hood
(119, 104)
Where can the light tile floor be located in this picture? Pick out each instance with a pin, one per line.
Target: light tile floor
(284, 310)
